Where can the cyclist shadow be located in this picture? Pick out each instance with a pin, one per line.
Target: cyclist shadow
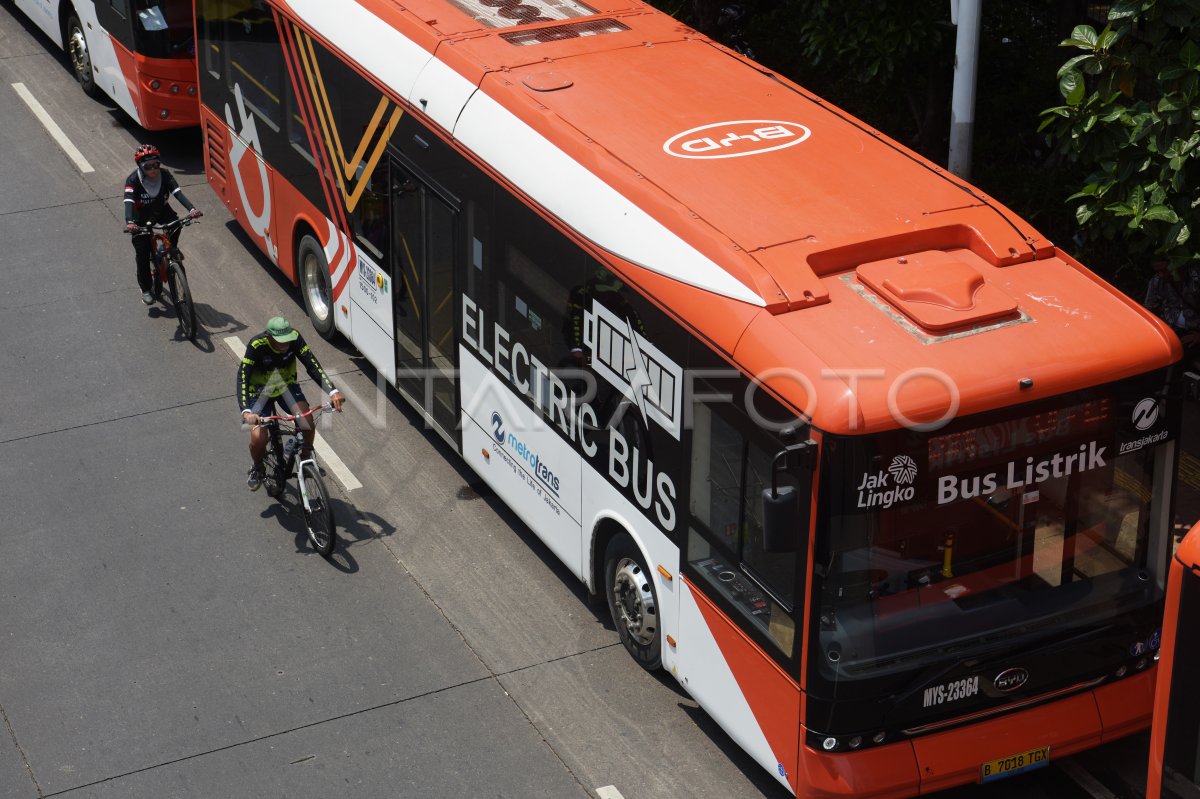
(286, 510)
(209, 323)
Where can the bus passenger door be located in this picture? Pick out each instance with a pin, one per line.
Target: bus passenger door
(423, 233)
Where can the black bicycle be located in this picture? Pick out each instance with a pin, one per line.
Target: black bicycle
(166, 264)
(282, 462)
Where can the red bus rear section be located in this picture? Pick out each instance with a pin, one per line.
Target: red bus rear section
(1174, 771)
(140, 53)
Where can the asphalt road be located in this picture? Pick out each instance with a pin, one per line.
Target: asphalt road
(166, 633)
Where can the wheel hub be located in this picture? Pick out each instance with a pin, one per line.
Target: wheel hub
(314, 288)
(80, 59)
(636, 609)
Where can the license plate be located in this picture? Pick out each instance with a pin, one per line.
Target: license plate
(1014, 764)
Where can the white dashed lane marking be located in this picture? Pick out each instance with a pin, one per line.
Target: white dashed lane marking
(52, 127)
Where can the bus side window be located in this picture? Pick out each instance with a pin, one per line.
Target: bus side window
(731, 468)
(370, 218)
(256, 62)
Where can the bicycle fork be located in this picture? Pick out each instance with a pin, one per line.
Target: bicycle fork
(301, 481)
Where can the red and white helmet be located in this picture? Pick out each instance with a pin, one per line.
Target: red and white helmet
(145, 151)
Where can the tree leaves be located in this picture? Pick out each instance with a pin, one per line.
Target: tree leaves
(1132, 116)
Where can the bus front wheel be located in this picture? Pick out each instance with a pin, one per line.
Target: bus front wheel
(81, 57)
(633, 601)
(315, 286)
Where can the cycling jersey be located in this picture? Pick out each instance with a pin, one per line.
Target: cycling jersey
(265, 371)
(148, 203)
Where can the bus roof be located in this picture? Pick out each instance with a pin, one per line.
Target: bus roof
(782, 229)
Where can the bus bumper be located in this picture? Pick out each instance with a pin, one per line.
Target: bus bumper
(938, 761)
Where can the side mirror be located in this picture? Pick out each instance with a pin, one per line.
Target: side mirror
(781, 516)
(781, 519)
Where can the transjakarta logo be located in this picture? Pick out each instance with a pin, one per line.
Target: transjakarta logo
(518, 448)
(632, 365)
(1145, 414)
(735, 139)
(875, 490)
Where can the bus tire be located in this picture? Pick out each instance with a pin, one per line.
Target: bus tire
(80, 57)
(633, 601)
(312, 270)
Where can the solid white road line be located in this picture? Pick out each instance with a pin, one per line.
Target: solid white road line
(609, 792)
(325, 454)
(52, 127)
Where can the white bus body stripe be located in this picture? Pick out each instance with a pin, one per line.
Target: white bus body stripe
(589, 205)
(441, 93)
(383, 51)
(712, 683)
(533, 163)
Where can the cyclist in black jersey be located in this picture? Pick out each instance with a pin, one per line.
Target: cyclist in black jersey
(147, 192)
(266, 375)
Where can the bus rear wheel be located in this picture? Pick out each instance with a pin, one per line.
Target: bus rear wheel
(633, 601)
(81, 57)
(315, 287)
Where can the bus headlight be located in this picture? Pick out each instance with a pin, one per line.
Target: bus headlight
(829, 744)
(174, 88)
(156, 84)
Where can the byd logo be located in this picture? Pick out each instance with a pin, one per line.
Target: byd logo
(735, 139)
(1011, 679)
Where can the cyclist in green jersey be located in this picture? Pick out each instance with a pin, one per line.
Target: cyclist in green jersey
(266, 375)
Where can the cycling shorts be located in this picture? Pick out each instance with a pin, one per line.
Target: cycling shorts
(264, 404)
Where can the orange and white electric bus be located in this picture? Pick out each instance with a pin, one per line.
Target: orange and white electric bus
(877, 473)
(1174, 771)
(140, 53)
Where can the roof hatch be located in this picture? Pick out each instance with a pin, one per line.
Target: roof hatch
(936, 289)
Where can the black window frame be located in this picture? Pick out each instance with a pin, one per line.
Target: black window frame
(769, 444)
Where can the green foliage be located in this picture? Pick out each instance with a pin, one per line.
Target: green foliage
(1131, 119)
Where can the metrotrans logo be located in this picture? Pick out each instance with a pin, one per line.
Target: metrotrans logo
(526, 453)
(736, 138)
(628, 362)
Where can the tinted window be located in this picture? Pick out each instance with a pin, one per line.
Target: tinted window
(1181, 749)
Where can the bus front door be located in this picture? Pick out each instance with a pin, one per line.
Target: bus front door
(423, 232)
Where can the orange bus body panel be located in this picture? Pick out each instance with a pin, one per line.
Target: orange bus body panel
(954, 757)
(183, 108)
(1127, 705)
(772, 695)
(1186, 557)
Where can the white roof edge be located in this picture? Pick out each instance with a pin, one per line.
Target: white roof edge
(529, 160)
(584, 202)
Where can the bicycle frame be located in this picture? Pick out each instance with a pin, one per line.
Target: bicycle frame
(287, 425)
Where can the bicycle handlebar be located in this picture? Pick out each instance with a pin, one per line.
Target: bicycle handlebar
(324, 407)
(146, 230)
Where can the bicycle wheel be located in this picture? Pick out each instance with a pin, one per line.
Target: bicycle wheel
(318, 517)
(272, 465)
(181, 298)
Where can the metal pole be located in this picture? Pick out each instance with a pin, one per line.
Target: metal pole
(962, 107)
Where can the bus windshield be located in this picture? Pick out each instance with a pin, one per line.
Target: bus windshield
(1023, 521)
(163, 28)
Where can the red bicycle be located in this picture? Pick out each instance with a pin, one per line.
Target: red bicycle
(282, 461)
(166, 263)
